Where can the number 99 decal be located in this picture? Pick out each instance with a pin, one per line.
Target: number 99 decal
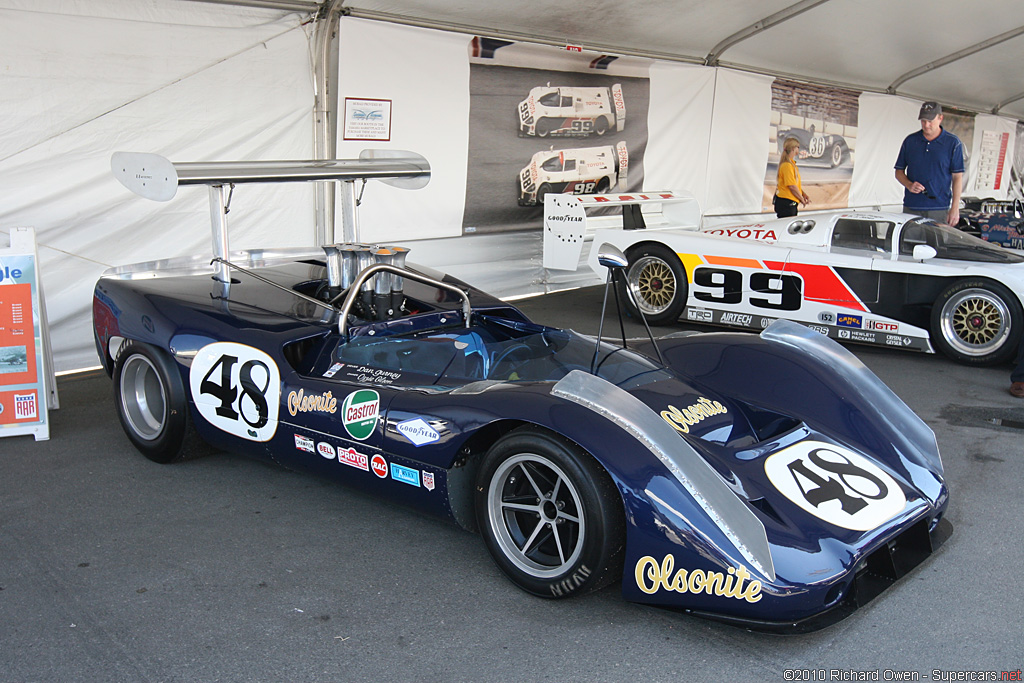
(237, 389)
(835, 484)
(776, 291)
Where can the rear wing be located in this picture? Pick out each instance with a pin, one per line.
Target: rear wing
(620, 107)
(569, 219)
(155, 177)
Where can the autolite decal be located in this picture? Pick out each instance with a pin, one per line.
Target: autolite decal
(682, 420)
(298, 402)
(650, 577)
(359, 413)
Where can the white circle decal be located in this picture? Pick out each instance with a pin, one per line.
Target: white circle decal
(835, 484)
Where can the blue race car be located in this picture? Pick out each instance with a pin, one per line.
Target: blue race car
(771, 481)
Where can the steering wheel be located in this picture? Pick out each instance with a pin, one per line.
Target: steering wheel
(509, 355)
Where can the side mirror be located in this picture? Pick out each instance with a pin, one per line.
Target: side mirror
(923, 252)
(610, 256)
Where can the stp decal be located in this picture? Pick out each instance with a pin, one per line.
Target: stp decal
(359, 413)
(237, 389)
(835, 484)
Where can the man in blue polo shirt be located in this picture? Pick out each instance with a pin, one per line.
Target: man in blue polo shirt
(931, 169)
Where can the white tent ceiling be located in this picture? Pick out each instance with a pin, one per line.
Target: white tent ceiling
(961, 54)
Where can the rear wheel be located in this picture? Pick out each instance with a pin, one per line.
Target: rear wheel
(836, 156)
(152, 404)
(601, 126)
(550, 516)
(658, 282)
(977, 322)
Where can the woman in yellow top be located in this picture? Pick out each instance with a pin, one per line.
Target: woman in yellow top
(789, 192)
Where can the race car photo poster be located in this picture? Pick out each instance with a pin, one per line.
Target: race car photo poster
(824, 120)
(548, 120)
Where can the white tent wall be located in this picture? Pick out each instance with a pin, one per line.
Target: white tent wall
(194, 81)
(83, 79)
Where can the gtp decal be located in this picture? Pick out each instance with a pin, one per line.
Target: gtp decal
(237, 389)
(835, 484)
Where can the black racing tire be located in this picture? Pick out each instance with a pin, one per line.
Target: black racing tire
(658, 283)
(977, 322)
(836, 154)
(551, 517)
(601, 125)
(603, 185)
(543, 127)
(542, 192)
(152, 404)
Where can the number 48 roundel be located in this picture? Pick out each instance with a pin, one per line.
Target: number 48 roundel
(835, 484)
(237, 389)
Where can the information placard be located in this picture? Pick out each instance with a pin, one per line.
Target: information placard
(24, 350)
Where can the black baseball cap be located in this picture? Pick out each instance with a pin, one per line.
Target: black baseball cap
(929, 110)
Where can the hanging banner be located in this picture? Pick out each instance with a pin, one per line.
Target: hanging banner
(23, 349)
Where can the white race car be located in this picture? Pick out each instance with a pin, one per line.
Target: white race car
(586, 170)
(875, 278)
(572, 111)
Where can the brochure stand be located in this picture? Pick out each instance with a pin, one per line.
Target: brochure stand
(27, 383)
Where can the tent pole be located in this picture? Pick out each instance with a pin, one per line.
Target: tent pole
(325, 114)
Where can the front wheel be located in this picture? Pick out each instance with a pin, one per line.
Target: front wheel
(152, 404)
(551, 518)
(977, 322)
(658, 282)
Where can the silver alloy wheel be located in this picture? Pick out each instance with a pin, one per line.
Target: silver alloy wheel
(975, 322)
(536, 515)
(143, 397)
(653, 284)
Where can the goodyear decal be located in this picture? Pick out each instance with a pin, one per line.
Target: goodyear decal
(359, 413)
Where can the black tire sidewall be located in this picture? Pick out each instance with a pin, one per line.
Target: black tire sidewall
(600, 561)
(1004, 352)
(675, 308)
(167, 446)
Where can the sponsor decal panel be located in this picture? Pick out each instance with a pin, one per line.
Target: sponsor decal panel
(418, 431)
(898, 340)
(379, 466)
(406, 475)
(835, 484)
(326, 450)
(359, 413)
(827, 317)
(428, 481)
(765, 322)
(849, 320)
(333, 370)
(349, 456)
(652, 576)
(819, 329)
(304, 443)
(699, 314)
(367, 375)
(862, 336)
(844, 334)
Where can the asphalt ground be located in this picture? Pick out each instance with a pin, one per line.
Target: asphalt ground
(113, 568)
